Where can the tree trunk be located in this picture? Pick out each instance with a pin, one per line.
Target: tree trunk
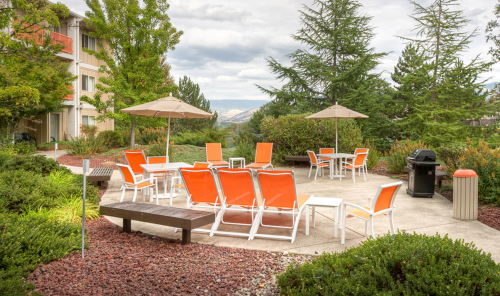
(132, 136)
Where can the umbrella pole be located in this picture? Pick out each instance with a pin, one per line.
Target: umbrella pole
(337, 135)
(168, 136)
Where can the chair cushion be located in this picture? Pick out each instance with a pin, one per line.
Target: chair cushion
(142, 185)
(321, 165)
(257, 165)
(362, 214)
(302, 199)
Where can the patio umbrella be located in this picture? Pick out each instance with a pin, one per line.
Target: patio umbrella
(168, 107)
(336, 111)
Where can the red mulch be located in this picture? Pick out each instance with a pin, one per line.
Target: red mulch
(95, 161)
(119, 263)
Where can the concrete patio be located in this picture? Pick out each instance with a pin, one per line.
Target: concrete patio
(420, 215)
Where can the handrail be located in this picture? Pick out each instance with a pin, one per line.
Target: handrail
(56, 38)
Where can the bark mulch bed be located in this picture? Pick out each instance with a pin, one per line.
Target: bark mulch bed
(119, 263)
(95, 161)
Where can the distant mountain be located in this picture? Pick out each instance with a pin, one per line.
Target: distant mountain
(236, 110)
(491, 85)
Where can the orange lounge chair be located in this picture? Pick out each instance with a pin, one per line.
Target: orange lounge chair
(135, 158)
(382, 204)
(197, 165)
(263, 156)
(238, 189)
(278, 191)
(316, 163)
(214, 155)
(130, 182)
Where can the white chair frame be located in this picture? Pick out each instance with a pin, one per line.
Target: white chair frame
(317, 165)
(354, 167)
(372, 214)
(127, 185)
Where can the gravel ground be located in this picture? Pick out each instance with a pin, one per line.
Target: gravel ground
(95, 161)
(134, 263)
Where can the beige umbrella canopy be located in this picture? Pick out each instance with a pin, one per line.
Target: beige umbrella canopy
(168, 107)
(337, 111)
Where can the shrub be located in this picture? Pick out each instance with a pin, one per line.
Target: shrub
(373, 154)
(22, 148)
(159, 148)
(450, 153)
(86, 146)
(37, 164)
(200, 138)
(88, 130)
(148, 135)
(111, 139)
(400, 264)
(486, 163)
(245, 148)
(396, 158)
(126, 136)
(294, 135)
(50, 145)
(71, 210)
(30, 241)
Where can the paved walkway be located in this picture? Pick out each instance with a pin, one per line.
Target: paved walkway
(420, 215)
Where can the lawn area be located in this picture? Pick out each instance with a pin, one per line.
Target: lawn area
(190, 154)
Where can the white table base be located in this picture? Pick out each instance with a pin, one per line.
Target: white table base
(324, 202)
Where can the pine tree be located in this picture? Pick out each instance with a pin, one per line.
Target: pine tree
(493, 35)
(440, 92)
(137, 33)
(189, 92)
(337, 64)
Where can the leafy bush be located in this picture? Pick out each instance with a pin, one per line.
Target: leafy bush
(450, 153)
(126, 136)
(373, 154)
(24, 190)
(22, 148)
(30, 241)
(71, 210)
(37, 164)
(88, 130)
(396, 158)
(400, 264)
(148, 135)
(294, 135)
(86, 146)
(246, 148)
(159, 148)
(111, 139)
(200, 138)
(486, 163)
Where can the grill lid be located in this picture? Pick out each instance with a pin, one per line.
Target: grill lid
(422, 155)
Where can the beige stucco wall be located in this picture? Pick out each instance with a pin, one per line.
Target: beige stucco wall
(87, 58)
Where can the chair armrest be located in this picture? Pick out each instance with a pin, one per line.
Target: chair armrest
(357, 207)
(148, 180)
(369, 200)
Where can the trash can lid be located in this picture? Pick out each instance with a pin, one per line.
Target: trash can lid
(465, 174)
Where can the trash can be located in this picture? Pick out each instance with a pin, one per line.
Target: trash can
(465, 194)
(422, 173)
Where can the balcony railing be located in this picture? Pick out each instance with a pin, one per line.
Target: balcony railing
(55, 38)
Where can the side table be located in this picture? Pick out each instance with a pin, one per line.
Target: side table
(240, 159)
(332, 202)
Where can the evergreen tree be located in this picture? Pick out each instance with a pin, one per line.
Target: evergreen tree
(337, 64)
(137, 33)
(493, 35)
(438, 92)
(189, 92)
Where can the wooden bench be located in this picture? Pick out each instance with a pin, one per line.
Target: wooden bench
(297, 158)
(439, 175)
(181, 218)
(100, 174)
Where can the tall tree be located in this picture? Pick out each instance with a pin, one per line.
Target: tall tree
(137, 33)
(442, 92)
(493, 34)
(337, 62)
(190, 93)
(33, 80)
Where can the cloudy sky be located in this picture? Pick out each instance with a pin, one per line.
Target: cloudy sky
(226, 42)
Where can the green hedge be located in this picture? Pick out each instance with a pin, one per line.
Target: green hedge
(27, 242)
(294, 135)
(400, 264)
(36, 164)
(111, 139)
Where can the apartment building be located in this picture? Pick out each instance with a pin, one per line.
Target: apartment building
(59, 126)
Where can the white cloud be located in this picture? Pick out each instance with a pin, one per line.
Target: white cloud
(255, 73)
(226, 78)
(210, 11)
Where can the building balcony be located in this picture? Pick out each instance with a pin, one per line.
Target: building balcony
(55, 38)
(70, 96)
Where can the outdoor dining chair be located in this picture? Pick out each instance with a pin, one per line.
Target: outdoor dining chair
(382, 204)
(130, 182)
(278, 193)
(135, 158)
(316, 163)
(263, 156)
(214, 155)
(357, 163)
(162, 175)
(363, 150)
(326, 151)
(238, 188)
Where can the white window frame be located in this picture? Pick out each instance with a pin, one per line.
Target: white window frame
(88, 42)
(89, 117)
(86, 86)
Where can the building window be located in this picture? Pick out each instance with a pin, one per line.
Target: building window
(57, 29)
(88, 120)
(88, 42)
(88, 83)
